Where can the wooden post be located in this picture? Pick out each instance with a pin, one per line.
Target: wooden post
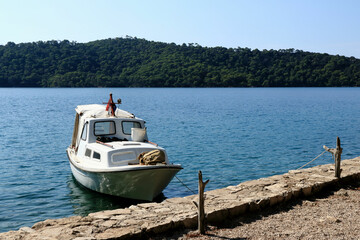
(200, 205)
(337, 155)
(337, 158)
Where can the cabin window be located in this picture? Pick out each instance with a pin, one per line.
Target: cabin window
(128, 125)
(123, 156)
(87, 152)
(104, 128)
(84, 132)
(96, 155)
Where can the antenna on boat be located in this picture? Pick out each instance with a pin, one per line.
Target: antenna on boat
(111, 106)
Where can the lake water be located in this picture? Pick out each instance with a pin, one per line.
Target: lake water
(232, 135)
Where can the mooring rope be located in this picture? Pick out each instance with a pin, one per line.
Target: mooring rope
(296, 169)
(312, 160)
(185, 185)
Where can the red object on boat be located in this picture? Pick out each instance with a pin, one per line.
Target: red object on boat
(111, 105)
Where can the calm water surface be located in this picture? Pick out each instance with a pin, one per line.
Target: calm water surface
(232, 135)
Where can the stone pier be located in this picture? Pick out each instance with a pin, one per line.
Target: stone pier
(149, 219)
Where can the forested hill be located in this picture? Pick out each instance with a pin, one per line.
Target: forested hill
(132, 62)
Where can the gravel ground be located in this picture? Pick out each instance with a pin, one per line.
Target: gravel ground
(331, 215)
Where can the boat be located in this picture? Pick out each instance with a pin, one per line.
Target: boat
(110, 153)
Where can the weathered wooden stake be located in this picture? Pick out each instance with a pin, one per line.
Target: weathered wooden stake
(338, 158)
(200, 205)
(337, 155)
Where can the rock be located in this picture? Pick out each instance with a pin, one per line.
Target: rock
(130, 222)
(120, 211)
(46, 223)
(307, 203)
(147, 205)
(342, 192)
(56, 232)
(330, 219)
(100, 215)
(279, 187)
(294, 171)
(84, 238)
(162, 210)
(119, 217)
(27, 229)
(108, 223)
(116, 233)
(159, 227)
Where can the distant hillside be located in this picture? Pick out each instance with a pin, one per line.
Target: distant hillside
(132, 62)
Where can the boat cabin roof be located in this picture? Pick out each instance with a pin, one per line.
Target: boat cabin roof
(99, 111)
(96, 112)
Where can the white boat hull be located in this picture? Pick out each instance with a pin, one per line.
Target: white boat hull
(140, 182)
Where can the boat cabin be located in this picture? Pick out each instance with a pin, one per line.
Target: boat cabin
(110, 130)
(109, 141)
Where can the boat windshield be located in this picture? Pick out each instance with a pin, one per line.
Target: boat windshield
(104, 128)
(127, 125)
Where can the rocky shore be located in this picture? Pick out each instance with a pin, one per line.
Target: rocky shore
(333, 214)
(263, 196)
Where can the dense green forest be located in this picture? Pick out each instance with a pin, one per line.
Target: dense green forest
(133, 62)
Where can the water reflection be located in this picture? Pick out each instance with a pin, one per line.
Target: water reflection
(85, 201)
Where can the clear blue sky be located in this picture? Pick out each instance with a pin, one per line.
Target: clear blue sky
(310, 25)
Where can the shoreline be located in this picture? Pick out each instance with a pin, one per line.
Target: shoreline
(330, 214)
(152, 219)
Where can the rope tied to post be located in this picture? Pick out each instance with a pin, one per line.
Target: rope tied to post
(185, 185)
(312, 160)
(336, 152)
